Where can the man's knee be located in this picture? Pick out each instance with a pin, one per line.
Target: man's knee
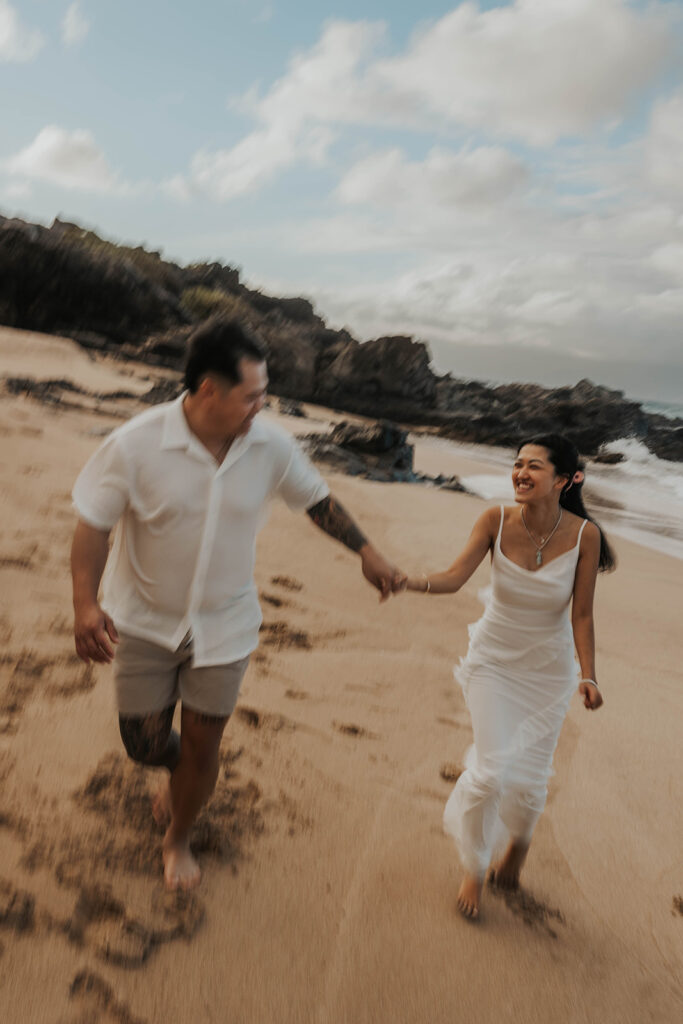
(150, 740)
(201, 738)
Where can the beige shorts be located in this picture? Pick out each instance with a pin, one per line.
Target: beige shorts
(149, 678)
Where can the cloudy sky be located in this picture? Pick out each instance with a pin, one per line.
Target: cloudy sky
(501, 180)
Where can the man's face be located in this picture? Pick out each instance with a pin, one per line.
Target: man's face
(233, 406)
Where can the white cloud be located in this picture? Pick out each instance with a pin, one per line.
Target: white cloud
(512, 274)
(70, 159)
(294, 117)
(664, 145)
(669, 260)
(17, 43)
(483, 174)
(176, 188)
(75, 26)
(536, 70)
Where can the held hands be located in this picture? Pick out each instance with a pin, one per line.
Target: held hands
(592, 698)
(384, 576)
(93, 631)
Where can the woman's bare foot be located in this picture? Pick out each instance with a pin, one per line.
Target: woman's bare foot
(469, 896)
(161, 804)
(181, 870)
(505, 874)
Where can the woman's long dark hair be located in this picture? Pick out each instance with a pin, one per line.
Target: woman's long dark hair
(564, 456)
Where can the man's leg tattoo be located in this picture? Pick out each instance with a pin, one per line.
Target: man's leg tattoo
(150, 739)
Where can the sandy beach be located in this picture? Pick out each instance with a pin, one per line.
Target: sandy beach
(328, 891)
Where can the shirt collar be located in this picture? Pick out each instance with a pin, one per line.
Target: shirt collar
(177, 434)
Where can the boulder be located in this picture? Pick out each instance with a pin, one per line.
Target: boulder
(379, 451)
(292, 360)
(384, 375)
(666, 442)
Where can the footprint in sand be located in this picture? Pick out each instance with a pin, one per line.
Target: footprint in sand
(82, 681)
(30, 672)
(97, 1001)
(276, 602)
(27, 670)
(17, 908)
(280, 634)
(256, 719)
(22, 561)
(287, 582)
(677, 905)
(351, 729)
(533, 912)
(261, 659)
(101, 921)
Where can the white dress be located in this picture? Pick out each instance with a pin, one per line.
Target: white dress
(517, 678)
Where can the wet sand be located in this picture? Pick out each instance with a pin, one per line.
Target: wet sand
(329, 888)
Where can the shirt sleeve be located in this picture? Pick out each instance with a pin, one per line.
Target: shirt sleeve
(301, 485)
(101, 491)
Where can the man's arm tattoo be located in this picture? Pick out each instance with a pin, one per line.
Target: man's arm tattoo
(333, 518)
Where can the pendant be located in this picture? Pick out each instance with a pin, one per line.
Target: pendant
(539, 557)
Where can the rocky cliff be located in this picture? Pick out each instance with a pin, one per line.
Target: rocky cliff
(129, 301)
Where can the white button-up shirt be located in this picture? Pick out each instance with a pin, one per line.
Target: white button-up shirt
(183, 552)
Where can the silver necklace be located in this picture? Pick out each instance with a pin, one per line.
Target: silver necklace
(222, 451)
(544, 541)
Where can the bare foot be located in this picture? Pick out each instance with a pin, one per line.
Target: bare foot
(181, 870)
(469, 896)
(161, 803)
(505, 874)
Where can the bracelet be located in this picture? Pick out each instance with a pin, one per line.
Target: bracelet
(590, 681)
(429, 586)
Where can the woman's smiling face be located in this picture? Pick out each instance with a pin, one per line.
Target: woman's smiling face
(533, 474)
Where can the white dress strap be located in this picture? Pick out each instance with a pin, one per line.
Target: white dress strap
(578, 539)
(500, 528)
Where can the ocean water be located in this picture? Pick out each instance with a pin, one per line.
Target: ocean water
(640, 498)
(673, 410)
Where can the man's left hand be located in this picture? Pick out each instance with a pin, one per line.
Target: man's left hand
(384, 576)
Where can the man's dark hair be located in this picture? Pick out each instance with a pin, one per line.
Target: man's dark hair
(217, 346)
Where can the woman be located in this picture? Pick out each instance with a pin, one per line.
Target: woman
(520, 669)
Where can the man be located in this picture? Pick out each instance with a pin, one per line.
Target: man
(185, 485)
